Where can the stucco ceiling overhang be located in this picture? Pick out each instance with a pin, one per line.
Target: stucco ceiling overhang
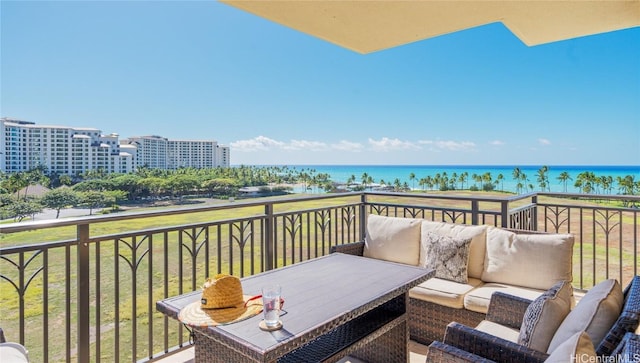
(367, 26)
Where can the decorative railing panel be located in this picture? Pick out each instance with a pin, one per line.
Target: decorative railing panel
(92, 298)
(606, 235)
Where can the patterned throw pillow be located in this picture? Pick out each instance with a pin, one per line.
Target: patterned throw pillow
(449, 256)
(544, 315)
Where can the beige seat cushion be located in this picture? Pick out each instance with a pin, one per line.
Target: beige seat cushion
(537, 261)
(444, 292)
(578, 348)
(498, 330)
(393, 239)
(598, 309)
(478, 298)
(544, 315)
(478, 235)
(11, 352)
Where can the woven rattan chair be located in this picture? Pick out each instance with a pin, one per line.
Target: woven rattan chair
(507, 310)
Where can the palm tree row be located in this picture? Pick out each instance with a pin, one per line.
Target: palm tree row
(146, 182)
(587, 182)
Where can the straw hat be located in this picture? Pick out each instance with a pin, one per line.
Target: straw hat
(222, 303)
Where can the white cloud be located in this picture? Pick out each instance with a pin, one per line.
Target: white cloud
(386, 144)
(456, 145)
(345, 145)
(259, 143)
(450, 145)
(544, 141)
(497, 143)
(306, 145)
(263, 143)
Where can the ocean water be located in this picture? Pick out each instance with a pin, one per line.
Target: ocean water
(389, 173)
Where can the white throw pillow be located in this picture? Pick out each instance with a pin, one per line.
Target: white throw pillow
(478, 235)
(544, 315)
(449, 256)
(578, 348)
(537, 261)
(393, 239)
(596, 312)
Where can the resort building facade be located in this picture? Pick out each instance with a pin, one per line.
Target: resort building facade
(24, 145)
(158, 152)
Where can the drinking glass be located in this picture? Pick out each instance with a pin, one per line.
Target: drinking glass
(271, 305)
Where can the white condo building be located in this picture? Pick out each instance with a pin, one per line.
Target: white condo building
(75, 150)
(162, 153)
(61, 149)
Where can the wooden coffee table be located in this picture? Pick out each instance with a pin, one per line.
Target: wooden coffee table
(335, 305)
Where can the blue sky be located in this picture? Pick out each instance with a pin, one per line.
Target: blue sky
(204, 70)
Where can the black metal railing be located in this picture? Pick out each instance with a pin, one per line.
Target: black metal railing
(90, 297)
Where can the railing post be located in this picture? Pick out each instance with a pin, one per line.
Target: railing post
(534, 212)
(504, 214)
(83, 293)
(475, 211)
(269, 223)
(363, 215)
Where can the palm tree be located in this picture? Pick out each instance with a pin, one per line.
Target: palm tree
(412, 177)
(543, 179)
(500, 179)
(463, 178)
(564, 177)
(429, 182)
(396, 185)
(627, 185)
(586, 181)
(474, 176)
(516, 176)
(523, 177)
(486, 179)
(365, 178)
(351, 180)
(607, 183)
(422, 182)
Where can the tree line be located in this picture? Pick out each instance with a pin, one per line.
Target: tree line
(97, 189)
(586, 182)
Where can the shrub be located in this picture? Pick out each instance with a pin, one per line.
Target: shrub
(487, 187)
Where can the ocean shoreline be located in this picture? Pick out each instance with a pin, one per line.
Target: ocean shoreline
(341, 174)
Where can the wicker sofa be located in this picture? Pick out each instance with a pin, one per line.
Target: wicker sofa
(518, 263)
(618, 342)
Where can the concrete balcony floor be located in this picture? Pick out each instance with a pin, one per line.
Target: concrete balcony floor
(417, 354)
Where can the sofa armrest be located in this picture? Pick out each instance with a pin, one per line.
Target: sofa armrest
(490, 346)
(441, 352)
(354, 248)
(629, 347)
(507, 310)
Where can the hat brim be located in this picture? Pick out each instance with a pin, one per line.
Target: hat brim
(194, 315)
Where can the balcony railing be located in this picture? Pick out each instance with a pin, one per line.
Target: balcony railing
(84, 289)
